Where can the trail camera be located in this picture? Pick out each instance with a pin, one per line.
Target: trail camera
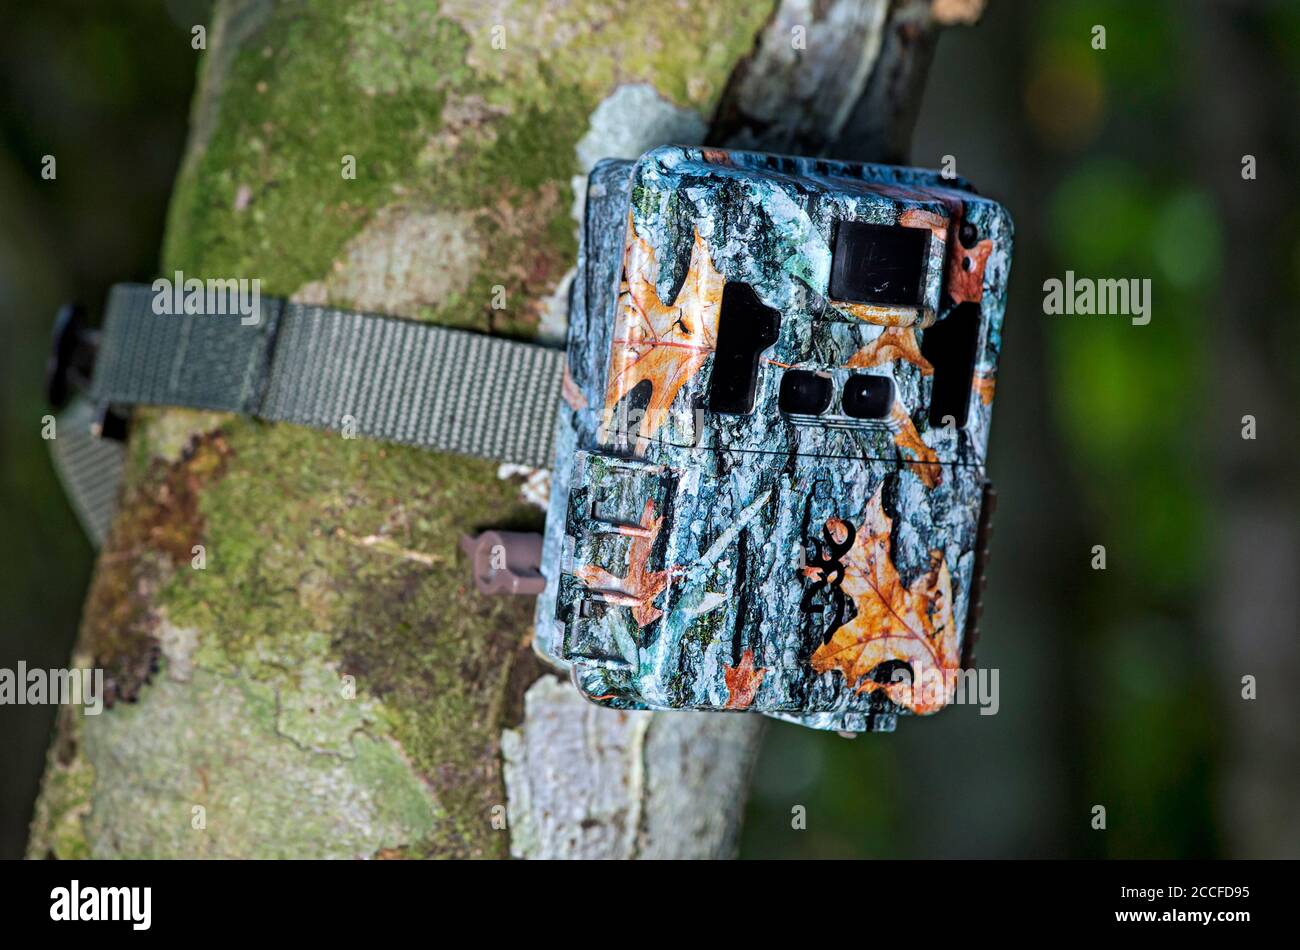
(770, 466)
(767, 436)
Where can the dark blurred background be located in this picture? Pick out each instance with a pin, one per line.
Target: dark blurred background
(1120, 688)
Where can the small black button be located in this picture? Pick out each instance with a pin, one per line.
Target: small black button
(805, 393)
(868, 397)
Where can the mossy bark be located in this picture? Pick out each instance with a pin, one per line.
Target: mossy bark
(324, 681)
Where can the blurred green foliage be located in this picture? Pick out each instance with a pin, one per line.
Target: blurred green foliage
(1095, 153)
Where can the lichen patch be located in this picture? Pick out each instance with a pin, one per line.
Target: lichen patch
(406, 259)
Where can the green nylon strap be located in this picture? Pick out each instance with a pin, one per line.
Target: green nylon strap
(382, 377)
(89, 468)
(394, 379)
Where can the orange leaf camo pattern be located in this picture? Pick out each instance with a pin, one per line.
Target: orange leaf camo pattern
(641, 586)
(894, 343)
(966, 271)
(883, 315)
(666, 344)
(985, 383)
(912, 624)
(743, 681)
(920, 218)
(925, 463)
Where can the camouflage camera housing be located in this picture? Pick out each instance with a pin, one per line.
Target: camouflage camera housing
(770, 463)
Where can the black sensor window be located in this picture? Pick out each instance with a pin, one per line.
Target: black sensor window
(805, 393)
(875, 263)
(746, 327)
(868, 397)
(950, 345)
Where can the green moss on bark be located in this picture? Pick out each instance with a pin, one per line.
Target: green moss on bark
(345, 552)
(58, 830)
(226, 780)
(435, 116)
(155, 534)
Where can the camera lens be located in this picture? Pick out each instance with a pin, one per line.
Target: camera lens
(804, 393)
(873, 263)
(868, 397)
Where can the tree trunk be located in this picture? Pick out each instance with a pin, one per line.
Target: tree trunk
(329, 684)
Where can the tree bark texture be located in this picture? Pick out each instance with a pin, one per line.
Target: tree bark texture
(329, 684)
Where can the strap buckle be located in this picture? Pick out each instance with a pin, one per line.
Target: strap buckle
(505, 562)
(70, 367)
